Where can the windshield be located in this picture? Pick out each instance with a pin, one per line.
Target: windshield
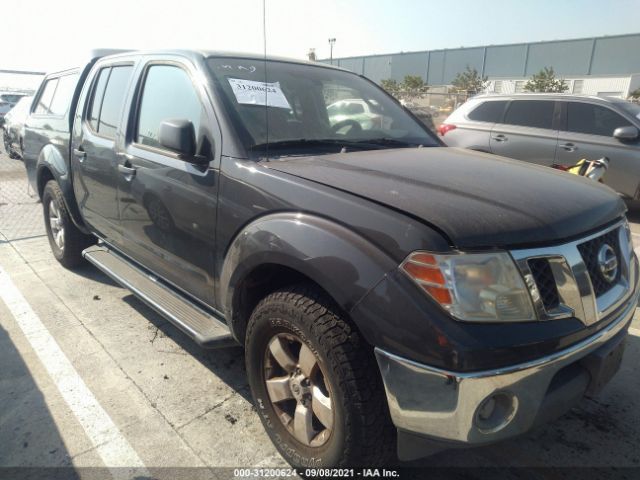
(311, 108)
(632, 108)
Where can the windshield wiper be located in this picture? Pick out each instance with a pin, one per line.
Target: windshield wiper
(308, 142)
(302, 145)
(390, 142)
(305, 144)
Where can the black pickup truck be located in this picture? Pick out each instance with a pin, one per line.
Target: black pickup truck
(391, 294)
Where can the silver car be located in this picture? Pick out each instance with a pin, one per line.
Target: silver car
(553, 128)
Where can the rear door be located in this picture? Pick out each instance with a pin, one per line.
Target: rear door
(474, 124)
(168, 205)
(528, 131)
(94, 158)
(588, 133)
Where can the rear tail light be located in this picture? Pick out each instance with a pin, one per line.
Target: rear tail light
(444, 128)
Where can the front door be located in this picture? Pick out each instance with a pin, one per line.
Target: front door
(168, 205)
(588, 133)
(527, 132)
(94, 152)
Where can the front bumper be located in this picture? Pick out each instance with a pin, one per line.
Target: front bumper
(454, 407)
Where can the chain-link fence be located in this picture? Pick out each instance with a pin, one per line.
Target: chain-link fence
(20, 211)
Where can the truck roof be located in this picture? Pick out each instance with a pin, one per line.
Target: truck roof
(224, 54)
(106, 52)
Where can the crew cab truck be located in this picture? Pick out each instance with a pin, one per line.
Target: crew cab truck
(391, 293)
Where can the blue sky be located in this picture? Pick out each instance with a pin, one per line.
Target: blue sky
(47, 35)
(394, 26)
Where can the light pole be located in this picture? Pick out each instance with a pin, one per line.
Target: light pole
(331, 42)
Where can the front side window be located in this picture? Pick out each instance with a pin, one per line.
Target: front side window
(310, 108)
(168, 93)
(107, 99)
(44, 101)
(530, 113)
(593, 119)
(488, 111)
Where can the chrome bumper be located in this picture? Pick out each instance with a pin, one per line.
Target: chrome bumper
(454, 407)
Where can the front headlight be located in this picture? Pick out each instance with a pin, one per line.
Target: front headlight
(475, 287)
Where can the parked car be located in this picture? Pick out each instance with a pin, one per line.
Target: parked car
(357, 113)
(7, 102)
(553, 128)
(424, 114)
(389, 292)
(13, 128)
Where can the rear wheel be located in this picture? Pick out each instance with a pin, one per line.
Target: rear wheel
(315, 383)
(65, 239)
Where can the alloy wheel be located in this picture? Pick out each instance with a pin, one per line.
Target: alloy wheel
(298, 390)
(57, 227)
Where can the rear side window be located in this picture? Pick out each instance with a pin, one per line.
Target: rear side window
(113, 100)
(167, 94)
(530, 113)
(488, 112)
(62, 96)
(44, 101)
(593, 119)
(108, 98)
(93, 115)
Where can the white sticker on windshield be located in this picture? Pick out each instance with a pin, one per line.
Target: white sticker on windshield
(249, 92)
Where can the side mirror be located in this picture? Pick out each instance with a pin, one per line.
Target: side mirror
(178, 135)
(626, 133)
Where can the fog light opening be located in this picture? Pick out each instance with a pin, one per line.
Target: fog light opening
(496, 412)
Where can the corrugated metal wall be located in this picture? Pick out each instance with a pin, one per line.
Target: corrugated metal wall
(587, 56)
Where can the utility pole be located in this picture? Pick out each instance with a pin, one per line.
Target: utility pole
(331, 42)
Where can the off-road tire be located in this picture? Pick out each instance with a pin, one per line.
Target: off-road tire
(70, 256)
(363, 435)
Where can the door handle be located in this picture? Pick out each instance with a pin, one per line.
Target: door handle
(127, 156)
(569, 147)
(500, 138)
(80, 154)
(128, 172)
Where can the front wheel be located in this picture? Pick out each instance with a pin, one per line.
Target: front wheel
(315, 383)
(65, 239)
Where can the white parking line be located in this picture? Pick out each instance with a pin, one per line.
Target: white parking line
(634, 331)
(114, 450)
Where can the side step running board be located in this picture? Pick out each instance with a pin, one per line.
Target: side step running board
(207, 330)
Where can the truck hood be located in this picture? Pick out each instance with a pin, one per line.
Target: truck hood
(476, 199)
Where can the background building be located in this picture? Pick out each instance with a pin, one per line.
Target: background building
(602, 65)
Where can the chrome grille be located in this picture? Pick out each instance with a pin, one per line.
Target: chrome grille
(545, 281)
(565, 280)
(589, 251)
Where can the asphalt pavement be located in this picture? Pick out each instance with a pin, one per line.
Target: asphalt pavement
(91, 377)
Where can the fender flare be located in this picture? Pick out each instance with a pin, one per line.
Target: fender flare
(51, 160)
(340, 261)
